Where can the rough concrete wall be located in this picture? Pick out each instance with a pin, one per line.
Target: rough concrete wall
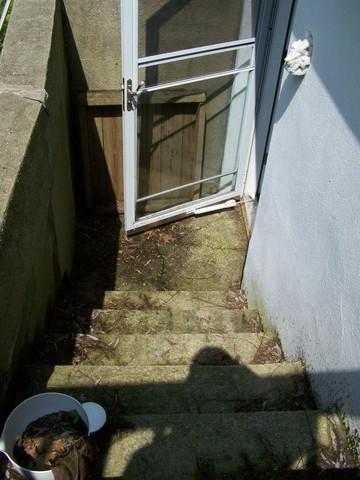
(92, 37)
(303, 263)
(92, 34)
(36, 200)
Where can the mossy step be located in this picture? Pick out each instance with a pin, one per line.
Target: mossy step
(159, 349)
(215, 445)
(177, 389)
(202, 253)
(163, 300)
(157, 321)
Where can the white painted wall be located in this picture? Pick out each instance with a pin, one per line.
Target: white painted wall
(303, 265)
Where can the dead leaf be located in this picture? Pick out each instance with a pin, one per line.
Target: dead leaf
(150, 234)
(166, 237)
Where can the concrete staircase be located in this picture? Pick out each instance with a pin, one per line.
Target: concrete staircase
(193, 387)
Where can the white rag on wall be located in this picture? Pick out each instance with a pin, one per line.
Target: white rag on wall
(297, 61)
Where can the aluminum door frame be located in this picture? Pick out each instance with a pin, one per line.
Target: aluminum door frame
(130, 65)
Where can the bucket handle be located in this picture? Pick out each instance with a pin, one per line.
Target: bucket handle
(3, 452)
(96, 415)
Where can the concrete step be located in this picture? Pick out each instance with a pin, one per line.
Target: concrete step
(163, 300)
(157, 321)
(158, 349)
(177, 389)
(211, 446)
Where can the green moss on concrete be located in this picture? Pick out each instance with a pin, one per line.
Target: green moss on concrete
(157, 321)
(202, 253)
(159, 349)
(182, 446)
(162, 300)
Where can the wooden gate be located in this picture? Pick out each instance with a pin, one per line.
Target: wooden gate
(172, 128)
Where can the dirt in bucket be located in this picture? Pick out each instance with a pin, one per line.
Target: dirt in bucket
(58, 440)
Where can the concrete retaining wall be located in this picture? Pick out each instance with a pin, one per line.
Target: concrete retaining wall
(37, 216)
(92, 37)
(303, 263)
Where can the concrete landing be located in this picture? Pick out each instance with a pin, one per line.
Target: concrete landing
(202, 253)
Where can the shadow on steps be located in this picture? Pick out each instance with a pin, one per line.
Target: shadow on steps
(216, 418)
(206, 424)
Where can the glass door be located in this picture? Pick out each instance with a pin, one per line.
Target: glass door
(189, 103)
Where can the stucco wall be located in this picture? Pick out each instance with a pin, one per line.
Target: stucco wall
(36, 196)
(303, 265)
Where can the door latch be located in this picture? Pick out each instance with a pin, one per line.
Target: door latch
(131, 94)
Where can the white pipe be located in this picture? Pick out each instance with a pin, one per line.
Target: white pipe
(4, 13)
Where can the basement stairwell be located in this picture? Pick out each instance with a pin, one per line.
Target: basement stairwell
(155, 328)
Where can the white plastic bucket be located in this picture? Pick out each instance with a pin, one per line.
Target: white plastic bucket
(37, 406)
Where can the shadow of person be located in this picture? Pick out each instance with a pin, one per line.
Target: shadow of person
(219, 436)
(224, 421)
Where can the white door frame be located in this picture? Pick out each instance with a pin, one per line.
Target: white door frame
(278, 32)
(130, 65)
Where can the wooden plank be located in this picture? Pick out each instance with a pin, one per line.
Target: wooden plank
(188, 155)
(97, 160)
(170, 147)
(177, 155)
(119, 134)
(113, 152)
(176, 148)
(86, 166)
(155, 119)
(150, 120)
(166, 179)
(145, 135)
(199, 148)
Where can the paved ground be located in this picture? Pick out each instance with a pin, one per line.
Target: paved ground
(202, 253)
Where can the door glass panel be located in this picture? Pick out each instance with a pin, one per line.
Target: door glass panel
(189, 134)
(186, 194)
(204, 65)
(170, 25)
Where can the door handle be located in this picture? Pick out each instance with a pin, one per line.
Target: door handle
(131, 94)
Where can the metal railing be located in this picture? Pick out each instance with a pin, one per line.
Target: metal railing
(5, 9)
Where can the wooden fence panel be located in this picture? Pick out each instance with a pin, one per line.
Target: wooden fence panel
(171, 138)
